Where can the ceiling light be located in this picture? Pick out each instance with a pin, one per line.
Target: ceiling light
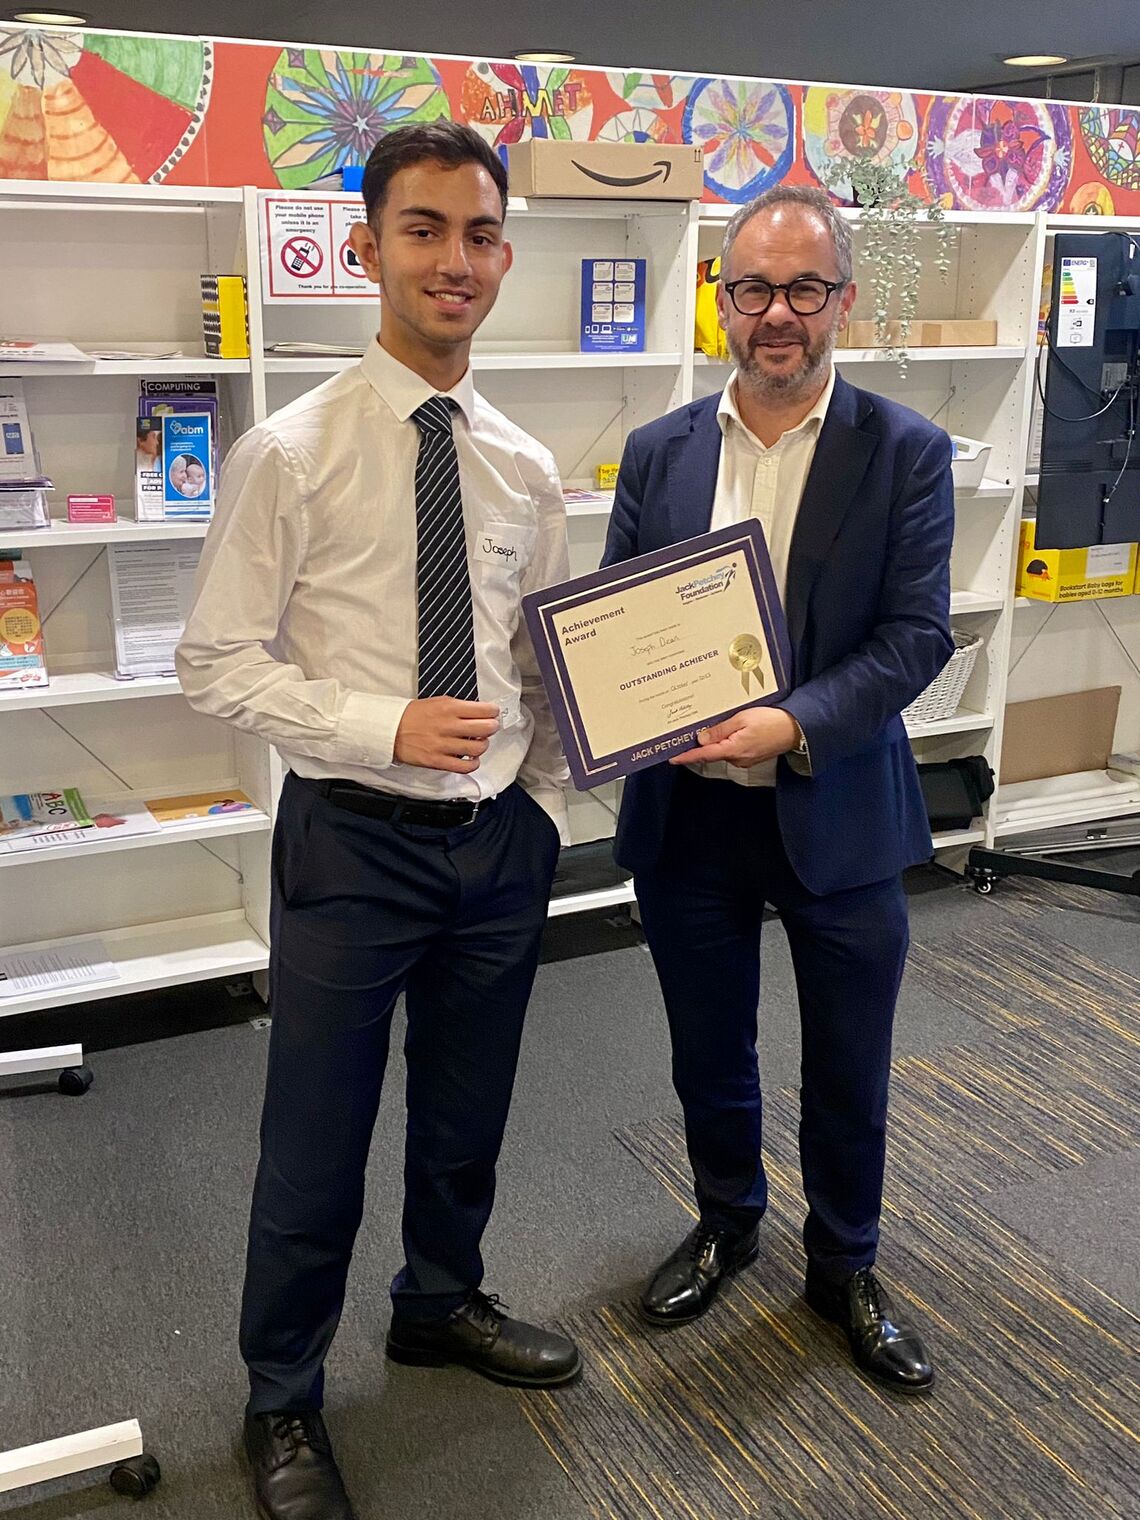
(1035, 60)
(544, 57)
(49, 18)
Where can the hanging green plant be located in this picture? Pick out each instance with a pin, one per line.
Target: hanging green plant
(890, 246)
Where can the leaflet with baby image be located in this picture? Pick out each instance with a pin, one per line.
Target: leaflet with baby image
(187, 465)
(159, 399)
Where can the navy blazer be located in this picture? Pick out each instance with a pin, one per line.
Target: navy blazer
(868, 608)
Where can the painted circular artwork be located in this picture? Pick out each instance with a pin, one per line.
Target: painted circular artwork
(325, 109)
(76, 105)
(747, 130)
(998, 155)
(1093, 199)
(872, 126)
(637, 126)
(1112, 137)
(655, 92)
(509, 102)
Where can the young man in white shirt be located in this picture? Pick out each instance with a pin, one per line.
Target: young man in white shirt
(358, 607)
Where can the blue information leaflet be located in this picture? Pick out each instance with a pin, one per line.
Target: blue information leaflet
(613, 306)
(187, 465)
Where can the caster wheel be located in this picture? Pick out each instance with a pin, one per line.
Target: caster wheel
(135, 1477)
(75, 1080)
(984, 887)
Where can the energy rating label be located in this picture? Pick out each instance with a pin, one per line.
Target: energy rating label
(1076, 314)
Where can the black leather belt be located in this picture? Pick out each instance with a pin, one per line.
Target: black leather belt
(370, 803)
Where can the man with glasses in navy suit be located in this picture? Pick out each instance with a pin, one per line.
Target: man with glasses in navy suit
(814, 806)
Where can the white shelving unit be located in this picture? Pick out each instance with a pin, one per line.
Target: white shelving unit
(113, 267)
(979, 392)
(117, 267)
(1058, 648)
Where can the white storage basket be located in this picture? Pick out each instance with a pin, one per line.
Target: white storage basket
(943, 696)
(968, 464)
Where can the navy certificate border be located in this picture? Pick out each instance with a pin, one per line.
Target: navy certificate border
(540, 608)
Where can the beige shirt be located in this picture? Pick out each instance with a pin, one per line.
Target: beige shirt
(303, 629)
(768, 484)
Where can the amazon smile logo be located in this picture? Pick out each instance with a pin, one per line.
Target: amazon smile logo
(661, 170)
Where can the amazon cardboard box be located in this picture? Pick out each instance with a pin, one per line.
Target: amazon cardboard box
(607, 171)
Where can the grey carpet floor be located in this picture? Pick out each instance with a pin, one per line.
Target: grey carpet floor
(124, 1216)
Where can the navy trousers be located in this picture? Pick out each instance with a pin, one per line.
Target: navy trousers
(363, 910)
(701, 909)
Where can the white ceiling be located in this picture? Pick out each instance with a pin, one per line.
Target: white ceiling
(907, 43)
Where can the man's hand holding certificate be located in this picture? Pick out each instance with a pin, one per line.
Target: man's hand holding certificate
(639, 658)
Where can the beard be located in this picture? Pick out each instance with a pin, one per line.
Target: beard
(795, 384)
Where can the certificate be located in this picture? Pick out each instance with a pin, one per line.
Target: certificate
(637, 658)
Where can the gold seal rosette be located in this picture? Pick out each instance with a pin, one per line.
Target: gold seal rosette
(746, 655)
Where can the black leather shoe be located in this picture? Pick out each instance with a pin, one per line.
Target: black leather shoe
(480, 1336)
(294, 1474)
(885, 1348)
(686, 1283)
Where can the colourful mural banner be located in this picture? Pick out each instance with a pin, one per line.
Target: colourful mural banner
(85, 105)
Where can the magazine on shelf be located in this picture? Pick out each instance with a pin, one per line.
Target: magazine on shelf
(23, 507)
(148, 469)
(22, 483)
(22, 662)
(151, 589)
(574, 497)
(117, 819)
(135, 353)
(156, 497)
(32, 351)
(83, 964)
(24, 814)
(18, 462)
(303, 350)
(200, 805)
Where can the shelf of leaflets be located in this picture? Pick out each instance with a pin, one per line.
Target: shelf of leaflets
(719, 216)
(150, 956)
(73, 688)
(185, 831)
(582, 500)
(66, 196)
(125, 530)
(1007, 352)
(508, 359)
(139, 249)
(153, 368)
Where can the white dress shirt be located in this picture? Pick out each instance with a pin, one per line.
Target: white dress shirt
(768, 484)
(303, 628)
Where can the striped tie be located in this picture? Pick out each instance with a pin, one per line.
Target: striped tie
(443, 582)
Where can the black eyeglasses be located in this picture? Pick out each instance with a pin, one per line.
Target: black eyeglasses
(806, 297)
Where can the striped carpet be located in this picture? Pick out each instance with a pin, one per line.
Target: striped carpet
(756, 1409)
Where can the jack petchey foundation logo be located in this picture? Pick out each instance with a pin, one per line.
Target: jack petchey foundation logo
(710, 584)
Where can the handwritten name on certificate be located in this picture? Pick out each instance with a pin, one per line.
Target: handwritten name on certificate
(636, 658)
